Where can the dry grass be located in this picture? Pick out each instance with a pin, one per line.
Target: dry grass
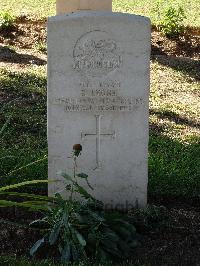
(149, 8)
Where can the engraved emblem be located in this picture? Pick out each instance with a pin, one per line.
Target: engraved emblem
(96, 54)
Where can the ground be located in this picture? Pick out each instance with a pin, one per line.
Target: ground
(174, 150)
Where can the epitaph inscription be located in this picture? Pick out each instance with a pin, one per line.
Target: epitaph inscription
(100, 104)
(96, 54)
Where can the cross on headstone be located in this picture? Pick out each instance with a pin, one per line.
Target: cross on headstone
(98, 134)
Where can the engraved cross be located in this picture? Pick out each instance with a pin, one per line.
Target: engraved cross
(98, 134)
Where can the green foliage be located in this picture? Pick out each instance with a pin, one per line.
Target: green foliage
(179, 176)
(78, 229)
(171, 23)
(41, 47)
(23, 143)
(35, 203)
(170, 17)
(22, 184)
(25, 261)
(6, 20)
(39, 202)
(149, 218)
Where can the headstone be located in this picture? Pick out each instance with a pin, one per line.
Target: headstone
(98, 93)
(67, 6)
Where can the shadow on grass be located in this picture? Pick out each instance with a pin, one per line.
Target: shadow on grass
(173, 117)
(174, 167)
(11, 56)
(188, 43)
(186, 65)
(23, 99)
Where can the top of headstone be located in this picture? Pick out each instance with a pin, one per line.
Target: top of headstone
(69, 6)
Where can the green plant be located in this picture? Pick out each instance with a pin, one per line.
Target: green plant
(41, 47)
(35, 203)
(6, 20)
(78, 229)
(150, 218)
(171, 22)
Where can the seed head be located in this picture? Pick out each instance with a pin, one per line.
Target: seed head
(77, 148)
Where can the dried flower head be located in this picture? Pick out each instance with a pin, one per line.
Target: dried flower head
(77, 148)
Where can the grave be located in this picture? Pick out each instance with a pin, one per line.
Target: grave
(98, 96)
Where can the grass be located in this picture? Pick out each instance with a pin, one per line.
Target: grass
(13, 261)
(174, 150)
(24, 140)
(150, 8)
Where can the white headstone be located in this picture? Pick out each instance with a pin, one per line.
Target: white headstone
(98, 93)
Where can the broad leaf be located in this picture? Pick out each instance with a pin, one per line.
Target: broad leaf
(36, 246)
(80, 238)
(66, 176)
(83, 192)
(66, 253)
(55, 233)
(96, 216)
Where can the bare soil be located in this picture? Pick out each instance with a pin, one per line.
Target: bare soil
(19, 44)
(175, 242)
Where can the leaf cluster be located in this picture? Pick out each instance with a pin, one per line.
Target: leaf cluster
(171, 23)
(74, 229)
(6, 20)
(80, 229)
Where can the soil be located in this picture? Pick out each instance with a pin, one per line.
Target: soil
(178, 241)
(19, 46)
(175, 243)
(174, 240)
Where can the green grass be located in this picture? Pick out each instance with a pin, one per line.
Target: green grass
(33, 7)
(13, 261)
(174, 150)
(150, 8)
(24, 139)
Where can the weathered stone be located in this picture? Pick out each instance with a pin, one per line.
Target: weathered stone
(98, 93)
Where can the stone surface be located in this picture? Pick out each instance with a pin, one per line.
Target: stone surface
(98, 92)
(68, 6)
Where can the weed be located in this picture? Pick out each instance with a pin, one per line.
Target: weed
(41, 47)
(149, 218)
(76, 229)
(6, 20)
(171, 24)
